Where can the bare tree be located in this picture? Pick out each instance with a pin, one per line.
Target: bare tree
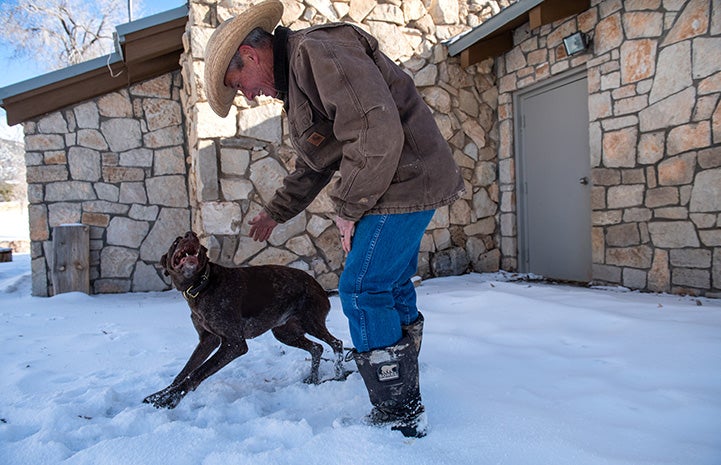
(60, 32)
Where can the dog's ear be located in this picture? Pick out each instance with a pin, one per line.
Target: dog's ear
(164, 263)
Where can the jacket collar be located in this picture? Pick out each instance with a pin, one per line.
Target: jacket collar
(280, 62)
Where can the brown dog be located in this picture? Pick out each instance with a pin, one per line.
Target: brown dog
(230, 305)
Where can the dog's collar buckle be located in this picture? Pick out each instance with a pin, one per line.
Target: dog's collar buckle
(194, 291)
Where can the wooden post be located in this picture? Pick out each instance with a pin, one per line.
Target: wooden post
(6, 254)
(71, 258)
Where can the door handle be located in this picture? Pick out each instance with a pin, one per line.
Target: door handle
(583, 180)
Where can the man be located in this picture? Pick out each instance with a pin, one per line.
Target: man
(350, 110)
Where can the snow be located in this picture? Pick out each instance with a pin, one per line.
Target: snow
(512, 372)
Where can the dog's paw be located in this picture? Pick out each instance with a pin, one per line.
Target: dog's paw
(312, 379)
(167, 398)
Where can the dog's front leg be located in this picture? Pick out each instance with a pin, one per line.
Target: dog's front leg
(206, 345)
(171, 396)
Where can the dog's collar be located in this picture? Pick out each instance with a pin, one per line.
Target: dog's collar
(193, 291)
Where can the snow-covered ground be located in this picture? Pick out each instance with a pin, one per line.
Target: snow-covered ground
(511, 373)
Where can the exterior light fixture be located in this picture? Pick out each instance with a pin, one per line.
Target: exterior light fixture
(575, 43)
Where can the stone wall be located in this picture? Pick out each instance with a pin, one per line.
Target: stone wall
(655, 137)
(238, 162)
(116, 164)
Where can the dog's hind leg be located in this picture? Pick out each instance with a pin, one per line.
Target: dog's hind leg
(292, 334)
(322, 333)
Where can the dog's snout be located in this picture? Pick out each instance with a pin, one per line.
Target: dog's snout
(190, 235)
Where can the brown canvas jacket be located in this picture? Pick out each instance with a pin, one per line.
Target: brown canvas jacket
(351, 109)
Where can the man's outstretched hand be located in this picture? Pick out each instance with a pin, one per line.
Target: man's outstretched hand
(261, 226)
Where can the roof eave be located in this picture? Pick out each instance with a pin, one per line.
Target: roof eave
(148, 47)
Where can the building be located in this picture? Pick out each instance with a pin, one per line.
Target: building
(599, 166)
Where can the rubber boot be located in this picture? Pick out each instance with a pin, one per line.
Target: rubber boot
(415, 331)
(391, 378)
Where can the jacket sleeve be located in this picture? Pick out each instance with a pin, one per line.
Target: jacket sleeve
(355, 95)
(297, 192)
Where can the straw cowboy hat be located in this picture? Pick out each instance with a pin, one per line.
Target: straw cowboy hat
(223, 44)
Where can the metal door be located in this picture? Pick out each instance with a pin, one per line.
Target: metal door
(553, 175)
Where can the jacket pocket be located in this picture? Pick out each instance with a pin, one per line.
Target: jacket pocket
(313, 138)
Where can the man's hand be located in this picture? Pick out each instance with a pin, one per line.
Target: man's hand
(261, 227)
(346, 228)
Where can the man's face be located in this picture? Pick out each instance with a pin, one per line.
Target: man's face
(256, 76)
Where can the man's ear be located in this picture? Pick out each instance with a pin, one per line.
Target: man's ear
(248, 53)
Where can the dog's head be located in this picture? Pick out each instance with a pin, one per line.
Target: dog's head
(185, 259)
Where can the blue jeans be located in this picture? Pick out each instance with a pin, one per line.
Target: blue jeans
(375, 288)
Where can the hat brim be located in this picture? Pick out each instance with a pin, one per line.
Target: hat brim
(223, 44)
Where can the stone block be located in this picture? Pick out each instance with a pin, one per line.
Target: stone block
(625, 196)
(92, 139)
(662, 196)
(111, 286)
(44, 142)
(700, 279)
(673, 73)
(234, 161)
(221, 217)
(114, 105)
(140, 157)
(634, 279)
(87, 115)
(169, 191)
(117, 174)
(488, 262)
(267, 175)
(165, 137)
(692, 21)
(689, 137)
(161, 113)
(171, 222)
(146, 278)
(273, 256)
(70, 190)
(483, 205)
(671, 111)
(677, 170)
(330, 248)
(622, 235)
(44, 174)
(706, 192)
(247, 248)
(673, 234)
(705, 56)
(122, 134)
(262, 122)
(450, 262)
(53, 123)
(691, 258)
(635, 257)
(210, 125)
(284, 231)
(127, 232)
(651, 148)
(169, 161)
(117, 262)
(619, 148)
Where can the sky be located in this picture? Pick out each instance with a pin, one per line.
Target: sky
(15, 70)
(512, 372)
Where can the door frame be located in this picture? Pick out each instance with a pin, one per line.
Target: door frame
(523, 238)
